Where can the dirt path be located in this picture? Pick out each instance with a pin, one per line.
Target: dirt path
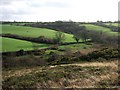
(113, 64)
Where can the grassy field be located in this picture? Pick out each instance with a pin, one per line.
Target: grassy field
(9, 44)
(113, 24)
(33, 32)
(99, 28)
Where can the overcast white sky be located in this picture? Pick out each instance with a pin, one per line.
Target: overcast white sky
(53, 10)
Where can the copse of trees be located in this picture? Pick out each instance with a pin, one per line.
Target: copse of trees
(102, 38)
(81, 34)
(84, 35)
(95, 36)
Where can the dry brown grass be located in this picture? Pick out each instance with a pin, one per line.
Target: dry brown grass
(78, 75)
(86, 51)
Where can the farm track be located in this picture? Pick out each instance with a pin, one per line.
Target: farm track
(94, 64)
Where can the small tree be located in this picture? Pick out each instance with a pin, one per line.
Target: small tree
(81, 34)
(76, 38)
(84, 35)
(59, 37)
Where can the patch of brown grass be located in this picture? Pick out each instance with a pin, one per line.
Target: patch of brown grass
(78, 75)
(86, 51)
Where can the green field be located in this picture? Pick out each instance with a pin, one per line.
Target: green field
(33, 32)
(99, 28)
(112, 24)
(9, 44)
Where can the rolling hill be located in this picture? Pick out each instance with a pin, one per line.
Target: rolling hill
(99, 28)
(33, 32)
(9, 44)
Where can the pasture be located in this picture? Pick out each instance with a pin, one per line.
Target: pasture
(9, 44)
(100, 29)
(112, 24)
(33, 32)
(15, 44)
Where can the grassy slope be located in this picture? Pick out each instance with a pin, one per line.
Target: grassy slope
(99, 28)
(113, 24)
(33, 32)
(79, 75)
(9, 44)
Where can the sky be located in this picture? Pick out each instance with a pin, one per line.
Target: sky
(54, 10)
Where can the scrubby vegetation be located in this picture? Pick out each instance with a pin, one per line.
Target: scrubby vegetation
(43, 55)
(40, 57)
(64, 76)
